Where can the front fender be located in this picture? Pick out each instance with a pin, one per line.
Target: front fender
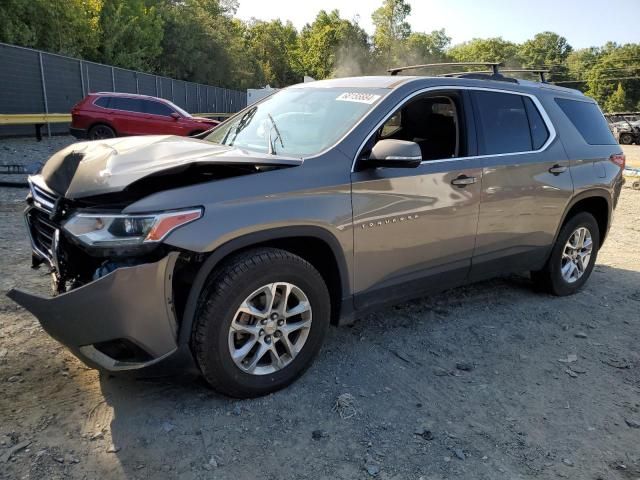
(256, 238)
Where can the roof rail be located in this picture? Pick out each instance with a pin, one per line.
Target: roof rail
(493, 65)
(495, 71)
(541, 72)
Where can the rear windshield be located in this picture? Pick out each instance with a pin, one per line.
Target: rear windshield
(588, 120)
(300, 121)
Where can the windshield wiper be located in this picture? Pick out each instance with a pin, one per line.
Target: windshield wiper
(272, 146)
(242, 123)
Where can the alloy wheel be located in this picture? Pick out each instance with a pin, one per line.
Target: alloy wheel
(270, 328)
(576, 255)
(100, 132)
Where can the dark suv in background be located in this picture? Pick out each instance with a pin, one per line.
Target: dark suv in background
(321, 202)
(107, 115)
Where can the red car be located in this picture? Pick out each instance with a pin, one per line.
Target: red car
(108, 114)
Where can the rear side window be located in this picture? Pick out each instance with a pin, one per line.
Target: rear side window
(127, 104)
(156, 108)
(503, 123)
(588, 120)
(103, 102)
(539, 131)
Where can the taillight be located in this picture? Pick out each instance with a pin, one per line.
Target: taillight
(619, 159)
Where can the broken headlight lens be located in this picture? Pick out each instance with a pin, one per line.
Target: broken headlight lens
(109, 230)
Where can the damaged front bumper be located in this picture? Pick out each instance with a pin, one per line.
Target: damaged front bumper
(122, 321)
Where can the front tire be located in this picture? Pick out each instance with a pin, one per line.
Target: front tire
(572, 258)
(260, 322)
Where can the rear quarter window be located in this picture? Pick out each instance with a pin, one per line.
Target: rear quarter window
(103, 102)
(588, 120)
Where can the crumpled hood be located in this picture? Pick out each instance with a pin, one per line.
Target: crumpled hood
(105, 166)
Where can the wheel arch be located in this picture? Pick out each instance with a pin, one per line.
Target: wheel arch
(597, 202)
(315, 244)
(104, 123)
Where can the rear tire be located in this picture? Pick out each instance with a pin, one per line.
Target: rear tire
(568, 267)
(241, 323)
(636, 185)
(99, 132)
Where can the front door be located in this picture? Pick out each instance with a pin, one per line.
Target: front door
(414, 229)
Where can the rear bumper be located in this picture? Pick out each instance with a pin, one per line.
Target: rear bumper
(79, 133)
(131, 305)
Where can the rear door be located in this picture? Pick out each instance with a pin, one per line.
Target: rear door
(414, 228)
(526, 183)
(128, 115)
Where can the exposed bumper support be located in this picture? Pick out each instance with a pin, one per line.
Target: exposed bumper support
(134, 304)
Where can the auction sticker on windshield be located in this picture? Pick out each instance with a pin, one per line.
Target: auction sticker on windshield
(358, 97)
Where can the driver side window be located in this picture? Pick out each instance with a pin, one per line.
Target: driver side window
(433, 122)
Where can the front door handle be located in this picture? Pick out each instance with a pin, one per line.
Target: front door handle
(462, 181)
(557, 169)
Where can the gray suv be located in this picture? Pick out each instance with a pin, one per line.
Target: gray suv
(237, 250)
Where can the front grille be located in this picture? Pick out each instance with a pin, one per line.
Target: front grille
(42, 232)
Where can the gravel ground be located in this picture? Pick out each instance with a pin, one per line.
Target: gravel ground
(490, 381)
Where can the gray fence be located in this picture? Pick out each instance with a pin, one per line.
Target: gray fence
(32, 81)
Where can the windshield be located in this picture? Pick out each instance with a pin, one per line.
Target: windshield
(297, 121)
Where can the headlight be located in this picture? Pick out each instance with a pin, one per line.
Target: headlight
(108, 230)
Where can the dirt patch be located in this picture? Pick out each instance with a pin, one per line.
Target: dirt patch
(491, 381)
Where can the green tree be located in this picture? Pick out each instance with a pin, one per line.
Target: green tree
(617, 102)
(130, 34)
(427, 47)
(68, 27)
(272, 46)
(486, 50)
(546, 49)
(615, 62)
(322, 42)
(391, 29)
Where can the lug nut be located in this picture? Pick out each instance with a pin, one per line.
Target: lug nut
(277, 334)
(267, 338)
(263, 321)
(274, 316)
(261, 332)
(280, 322)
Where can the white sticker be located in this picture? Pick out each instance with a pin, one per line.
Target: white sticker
(368, 98)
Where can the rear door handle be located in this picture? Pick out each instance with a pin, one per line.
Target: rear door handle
(557, 169)
(462, 181)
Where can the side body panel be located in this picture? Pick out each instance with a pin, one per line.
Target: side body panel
(413, 229)
(592, 171)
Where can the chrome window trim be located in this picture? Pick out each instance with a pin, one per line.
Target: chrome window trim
(534, 99)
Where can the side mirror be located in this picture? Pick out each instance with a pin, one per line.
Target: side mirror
(391, 153)
(175, 116)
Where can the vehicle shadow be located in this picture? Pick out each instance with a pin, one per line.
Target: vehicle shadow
(177, 427)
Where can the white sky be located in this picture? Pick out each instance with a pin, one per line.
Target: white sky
(583, 22)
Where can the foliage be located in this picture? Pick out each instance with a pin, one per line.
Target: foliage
(130, 34)
(549, 50)
(617, 102)
(392, 29)
(200, 40)
(69, 27)
(486, 50)
(321, 43)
